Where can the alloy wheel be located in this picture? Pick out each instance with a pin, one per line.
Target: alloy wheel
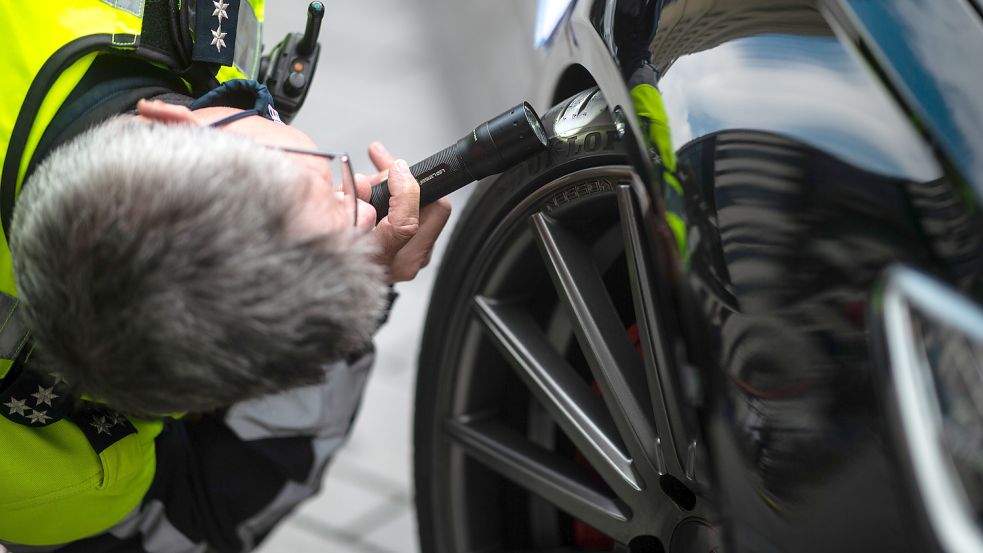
(553, 430)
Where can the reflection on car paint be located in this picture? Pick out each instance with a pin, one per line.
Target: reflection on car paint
(799, 179)
(808, 88)
(929, 52)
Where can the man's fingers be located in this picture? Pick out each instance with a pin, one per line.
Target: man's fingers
(416, 254)
(433, 218)
(404, 201)
(405, 236)
(363, 186)
(403, 221)
(380, 157)
(365, 215)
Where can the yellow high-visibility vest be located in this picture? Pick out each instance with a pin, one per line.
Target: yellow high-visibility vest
(54, 487)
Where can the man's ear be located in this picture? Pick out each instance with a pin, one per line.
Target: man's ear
(162, 112)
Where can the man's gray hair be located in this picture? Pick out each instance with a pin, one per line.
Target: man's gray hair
(160, 273)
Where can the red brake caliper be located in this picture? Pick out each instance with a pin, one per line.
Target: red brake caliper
(585, 536)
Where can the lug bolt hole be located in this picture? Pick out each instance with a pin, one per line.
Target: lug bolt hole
(678, 492)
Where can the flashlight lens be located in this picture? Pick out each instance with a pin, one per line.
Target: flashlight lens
(535, 124)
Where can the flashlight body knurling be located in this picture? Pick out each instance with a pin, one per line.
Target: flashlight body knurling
(438, 175)
(490, 148)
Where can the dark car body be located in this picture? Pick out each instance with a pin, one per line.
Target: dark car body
(818, 144)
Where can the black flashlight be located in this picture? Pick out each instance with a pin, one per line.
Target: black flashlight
(492, 147)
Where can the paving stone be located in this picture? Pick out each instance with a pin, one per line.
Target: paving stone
(289, 538)
(399, 533)
(343, 501)
(379, 447)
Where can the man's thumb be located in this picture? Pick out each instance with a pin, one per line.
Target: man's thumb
(404, 199)
(399, 174)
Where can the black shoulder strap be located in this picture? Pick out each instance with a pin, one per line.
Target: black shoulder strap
(112, 85)
(61, 60)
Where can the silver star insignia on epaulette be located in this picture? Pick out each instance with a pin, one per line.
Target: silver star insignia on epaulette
(101, 425)
(17, 406)
(45, 395)
(116, 418)
(59, 379)
(39, 417)
(220, 10)
(217, 36)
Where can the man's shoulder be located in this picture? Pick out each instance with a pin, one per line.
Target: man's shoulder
(111, 85)
(55, 487)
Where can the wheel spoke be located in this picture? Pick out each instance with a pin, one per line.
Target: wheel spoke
(555, 479)
(577, 410)
(616, 365)
(655, 352)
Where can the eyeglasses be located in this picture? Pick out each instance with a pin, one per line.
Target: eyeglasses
(342, 177)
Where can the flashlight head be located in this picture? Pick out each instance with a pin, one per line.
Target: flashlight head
(507, 140)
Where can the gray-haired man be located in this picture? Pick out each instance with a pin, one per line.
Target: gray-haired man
(202, 308)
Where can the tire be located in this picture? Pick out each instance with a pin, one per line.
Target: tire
(482, 424)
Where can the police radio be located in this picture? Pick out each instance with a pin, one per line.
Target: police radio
(288, 70)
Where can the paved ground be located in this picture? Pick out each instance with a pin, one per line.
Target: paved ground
(385, 75)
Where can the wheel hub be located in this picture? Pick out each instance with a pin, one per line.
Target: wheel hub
(695, 536)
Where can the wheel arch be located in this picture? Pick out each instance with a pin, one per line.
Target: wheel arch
(575, 78)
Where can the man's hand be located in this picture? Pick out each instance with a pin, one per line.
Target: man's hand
(407, 234)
